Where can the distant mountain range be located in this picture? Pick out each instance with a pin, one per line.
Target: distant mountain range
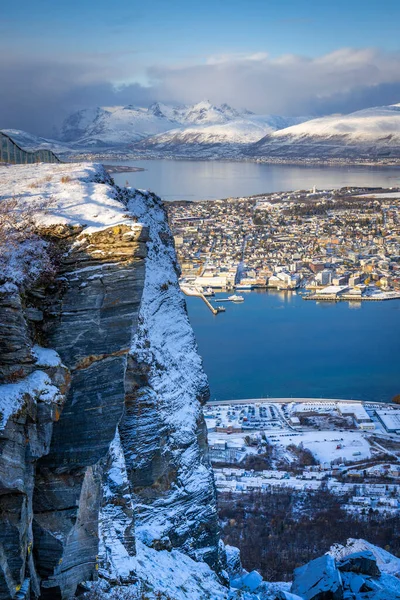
(206, 131)
(176, 129)
(370, 133)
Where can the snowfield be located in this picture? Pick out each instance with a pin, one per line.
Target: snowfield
(71, 194)
(324, 445)
(370, 133)
(363, 125)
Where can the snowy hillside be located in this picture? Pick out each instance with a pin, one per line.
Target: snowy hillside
(121, 125)
(370, 132)
(244, 129)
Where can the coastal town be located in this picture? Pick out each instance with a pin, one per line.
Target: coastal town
(332, 244)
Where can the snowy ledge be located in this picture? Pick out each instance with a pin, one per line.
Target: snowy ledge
(68, 194)
(13, 395)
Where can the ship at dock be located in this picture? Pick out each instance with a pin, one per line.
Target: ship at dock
(236, 298)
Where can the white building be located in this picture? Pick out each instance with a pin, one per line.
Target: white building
(390, 419)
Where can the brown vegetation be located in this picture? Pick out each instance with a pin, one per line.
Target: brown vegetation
(277, 532)
(23, 254)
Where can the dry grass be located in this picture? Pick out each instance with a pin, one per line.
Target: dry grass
(65, 179)
(38, 182)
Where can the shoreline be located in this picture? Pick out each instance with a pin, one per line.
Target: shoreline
(301, 162)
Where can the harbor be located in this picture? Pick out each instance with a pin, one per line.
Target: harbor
(198, 293)
(274, 344)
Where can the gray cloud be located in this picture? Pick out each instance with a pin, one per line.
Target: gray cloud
(37, 93)
(291, 84)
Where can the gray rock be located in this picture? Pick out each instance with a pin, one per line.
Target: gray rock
(360, 562)
(58, 467)
(318, 580)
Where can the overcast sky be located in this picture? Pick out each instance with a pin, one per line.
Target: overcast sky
(291, 57)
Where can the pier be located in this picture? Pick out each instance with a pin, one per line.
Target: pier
(193, 291)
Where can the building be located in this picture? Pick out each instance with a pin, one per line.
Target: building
(218, 283)
(360, 416)
(332, 291)
(324, 277)
(390, 419)
(354, 279)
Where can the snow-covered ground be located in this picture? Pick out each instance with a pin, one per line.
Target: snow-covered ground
(70, 194)
(362, 134)
(324, 445)
(363, 125)
(52, 194)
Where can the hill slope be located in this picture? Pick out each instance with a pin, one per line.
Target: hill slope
(216, 138)
(369, 133)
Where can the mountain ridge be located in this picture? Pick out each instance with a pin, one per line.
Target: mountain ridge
(369, 133)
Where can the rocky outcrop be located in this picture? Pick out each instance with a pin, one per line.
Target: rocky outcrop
(163, 432)
(360, 562)
(130, 442)
(89, 319)
(318, 580)
(29, 406)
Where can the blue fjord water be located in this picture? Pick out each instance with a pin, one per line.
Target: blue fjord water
(211, 180)
(277, 344)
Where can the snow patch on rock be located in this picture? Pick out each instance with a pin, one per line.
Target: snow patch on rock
(13, 395)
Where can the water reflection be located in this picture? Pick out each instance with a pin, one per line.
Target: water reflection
(210, 180)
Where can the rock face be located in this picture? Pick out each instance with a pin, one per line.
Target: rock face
(318, 580)
(114, 428)
(163, 433)
(360, 562)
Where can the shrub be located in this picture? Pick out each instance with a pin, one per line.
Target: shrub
(23, 254)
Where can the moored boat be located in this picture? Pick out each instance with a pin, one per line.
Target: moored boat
(236, 298)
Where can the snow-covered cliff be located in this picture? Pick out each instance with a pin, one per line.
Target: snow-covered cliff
(130, 442)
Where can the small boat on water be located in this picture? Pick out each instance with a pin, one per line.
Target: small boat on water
(221, 309)
(236, 298)
(208, 292)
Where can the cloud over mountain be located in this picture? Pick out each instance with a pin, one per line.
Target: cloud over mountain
(41, 91)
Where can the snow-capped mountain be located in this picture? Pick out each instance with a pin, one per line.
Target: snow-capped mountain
(125, 125)
(163, 127)
(221, 138)
(369, 133)
(113, 126)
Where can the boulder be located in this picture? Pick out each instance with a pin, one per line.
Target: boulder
(360, 562)
(318, 580)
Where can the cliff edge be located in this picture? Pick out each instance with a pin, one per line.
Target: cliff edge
(102, 439)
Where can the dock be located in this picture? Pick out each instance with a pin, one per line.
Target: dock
(193, 291)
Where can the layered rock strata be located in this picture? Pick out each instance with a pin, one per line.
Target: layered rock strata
(130, 441)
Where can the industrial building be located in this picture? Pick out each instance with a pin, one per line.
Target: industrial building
(390, 419)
